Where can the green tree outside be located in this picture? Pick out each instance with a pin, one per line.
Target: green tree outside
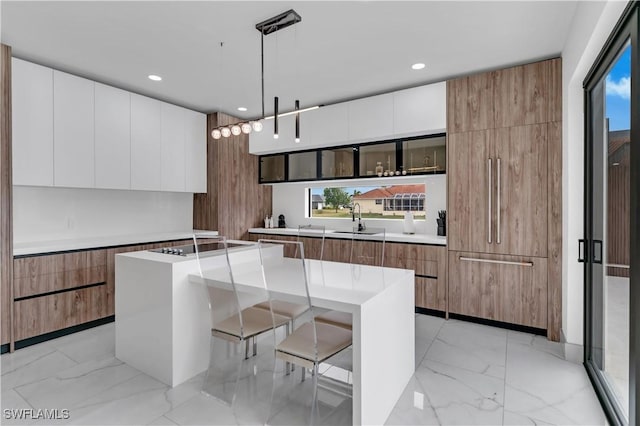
(336, 197)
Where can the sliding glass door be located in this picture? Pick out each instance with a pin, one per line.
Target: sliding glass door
(610, 181)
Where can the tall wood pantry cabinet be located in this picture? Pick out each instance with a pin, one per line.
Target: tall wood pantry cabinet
(503, 187)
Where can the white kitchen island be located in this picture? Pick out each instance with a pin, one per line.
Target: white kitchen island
(163, 322)
(382, 303)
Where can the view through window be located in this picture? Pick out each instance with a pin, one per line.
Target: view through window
(376, 202)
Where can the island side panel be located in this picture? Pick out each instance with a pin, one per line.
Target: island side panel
(383, 351)
(143, 308)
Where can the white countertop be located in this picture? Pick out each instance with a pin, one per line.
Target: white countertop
(390, 236)
(38, 247)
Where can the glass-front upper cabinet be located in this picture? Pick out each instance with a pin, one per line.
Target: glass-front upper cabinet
(272, 168)
(337, 163)
(378, 159)
(303, 165)
(424, 155)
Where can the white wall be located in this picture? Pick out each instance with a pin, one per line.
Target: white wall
(43, 214)
(590, 28)
(290, 199)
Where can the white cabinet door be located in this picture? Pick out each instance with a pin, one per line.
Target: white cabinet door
(113, 138)
(326, 126)
(371, 118)
(73, 127)
(172, 148)
(146, 119)
(264, 142)
(32, 123)
(421, 110)
(195, 139)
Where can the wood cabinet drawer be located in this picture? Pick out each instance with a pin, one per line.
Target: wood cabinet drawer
(43, 274)
(42, 315)
(430, 293)
(510, 289)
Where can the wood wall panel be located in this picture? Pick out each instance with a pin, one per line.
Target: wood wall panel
(554, 230)
(235, 201)
(618, 213)
(42, 315)
(42, 274)
(6, 222)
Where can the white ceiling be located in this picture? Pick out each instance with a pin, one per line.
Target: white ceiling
(340, 50)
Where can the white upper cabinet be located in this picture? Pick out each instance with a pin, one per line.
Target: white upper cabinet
(326, 126)
(73, 132)
(195, 139)
(113, 138)
(146, 129)
(371, 118)
(419, 109)
(32, 123)
(73, 126)
(172, 148)
(411, 112)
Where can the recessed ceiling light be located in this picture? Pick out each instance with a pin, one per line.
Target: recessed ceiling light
(242, 109)
(155, 77)
(417, 66)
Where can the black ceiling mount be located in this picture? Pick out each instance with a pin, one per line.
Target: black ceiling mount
(271, 25)
(283, 20)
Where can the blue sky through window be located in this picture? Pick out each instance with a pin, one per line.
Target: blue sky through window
(618, 85)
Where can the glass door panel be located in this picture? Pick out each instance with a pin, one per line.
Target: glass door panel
(609, 247)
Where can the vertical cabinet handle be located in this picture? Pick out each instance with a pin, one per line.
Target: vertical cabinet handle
(489, 166)
(498, 205)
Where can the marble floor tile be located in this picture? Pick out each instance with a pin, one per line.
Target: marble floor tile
(76, 384)
(35, 366)
(162, 421)
(465, 374)
(541, 386)
(88, 345)
(474, 347)
(12, 401)
(536, 342)
(427, 326)
(202, 410)
(443, 394)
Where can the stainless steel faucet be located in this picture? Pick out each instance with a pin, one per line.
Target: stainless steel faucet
(361, 226)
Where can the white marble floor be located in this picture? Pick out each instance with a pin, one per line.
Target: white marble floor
(466, 374)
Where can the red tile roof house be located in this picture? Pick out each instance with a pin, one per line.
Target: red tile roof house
(393, 200)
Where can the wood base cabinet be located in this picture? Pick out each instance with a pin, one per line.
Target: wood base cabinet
(510, 289)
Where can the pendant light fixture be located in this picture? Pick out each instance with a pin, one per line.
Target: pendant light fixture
(269, 26)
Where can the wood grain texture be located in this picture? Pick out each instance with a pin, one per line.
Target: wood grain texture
(555, 90)
(508, 293)
(554, 229)
(42, 315)
(43, 274)
(235, 201)
(470, 103)
(6, 220)
(526, 94)
(468, 192)
(426, 260)
(523, 190)
(618, 210)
